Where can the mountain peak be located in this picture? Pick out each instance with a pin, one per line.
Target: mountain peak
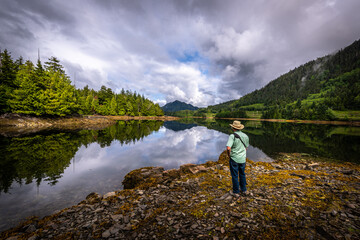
(178, 106)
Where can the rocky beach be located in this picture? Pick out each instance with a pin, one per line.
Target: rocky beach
(294, 197)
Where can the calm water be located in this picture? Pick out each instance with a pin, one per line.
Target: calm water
(48, 171)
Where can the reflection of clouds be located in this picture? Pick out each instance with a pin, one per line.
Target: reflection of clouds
(196, 146)
(257, 155)
(96, 169)
(88, 157)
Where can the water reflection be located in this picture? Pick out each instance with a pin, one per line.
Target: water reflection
(52, 170)
(49, 171)
(340, 143)
(44, 156)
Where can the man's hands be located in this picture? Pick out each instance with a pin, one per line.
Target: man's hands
(228, 150)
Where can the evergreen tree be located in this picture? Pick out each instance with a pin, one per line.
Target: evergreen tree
(7, 69)
(54, 65)
(95, 104)
(158, 110)
(38, 90)
(58, 98)
(25, 97)
(88, 105)
(113, 106)
(121, 104)
(129, 109)
(7, 79)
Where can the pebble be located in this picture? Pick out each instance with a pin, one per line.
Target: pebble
(182, 205)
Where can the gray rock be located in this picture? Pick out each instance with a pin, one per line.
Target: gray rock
(126, 219)
(114, 230)
(106, 234)
(12, 238)
(109, 194)
(350, 205)
(33, 237)
(93, 198)
(117, 217)
(99, 210)
(30, 229)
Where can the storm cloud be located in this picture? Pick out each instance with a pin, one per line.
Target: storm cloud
(201, 52)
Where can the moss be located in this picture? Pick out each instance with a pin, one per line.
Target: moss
(149, 182)
(266, 165)
(67, 235)
(125, 208)
(153, 214)
(271, 180)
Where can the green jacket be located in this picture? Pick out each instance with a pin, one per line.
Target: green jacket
(238, 150)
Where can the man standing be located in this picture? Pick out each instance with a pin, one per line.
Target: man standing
(236, 147)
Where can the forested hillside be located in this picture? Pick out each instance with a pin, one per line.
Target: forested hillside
(178, 106)
(46, 90)
(312, 91)
(179, 109)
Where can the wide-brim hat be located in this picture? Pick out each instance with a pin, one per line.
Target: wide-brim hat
(237, 125)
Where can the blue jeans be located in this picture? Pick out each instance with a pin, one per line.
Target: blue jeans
(238, 174)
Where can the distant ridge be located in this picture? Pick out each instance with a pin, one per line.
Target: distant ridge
(332, 80)
(178, 106)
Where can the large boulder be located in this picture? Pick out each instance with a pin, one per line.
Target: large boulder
(138, 176)
(93, 198)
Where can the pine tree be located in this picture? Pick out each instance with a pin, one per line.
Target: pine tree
(54, 65)
(7, 79)
(88, 105)
(7, 70)
(24, 99)
(95, 104)
(113, 106)
(158, 110)
(58, 98)
(121, 104)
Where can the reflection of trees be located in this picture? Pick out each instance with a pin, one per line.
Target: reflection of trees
(45, 156)
(272, 138)
(35, 158)
(178, 126)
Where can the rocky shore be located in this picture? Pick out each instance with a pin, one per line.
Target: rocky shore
(16, 124)
(294, 197)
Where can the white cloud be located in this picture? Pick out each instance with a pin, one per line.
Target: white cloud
(134, 45)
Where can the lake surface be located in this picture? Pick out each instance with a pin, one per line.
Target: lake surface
(48, 171)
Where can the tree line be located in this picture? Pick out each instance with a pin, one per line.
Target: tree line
(316, 111)
(46, 90)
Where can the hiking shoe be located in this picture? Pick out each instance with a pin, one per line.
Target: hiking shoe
(244, 193)
(233, 194)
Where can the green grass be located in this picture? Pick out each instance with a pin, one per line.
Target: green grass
(257, 106)
(353, 115)
(253, 114)
(353, 131)
(210, 115)
(310, 101)
(253, 124)
(312, 98)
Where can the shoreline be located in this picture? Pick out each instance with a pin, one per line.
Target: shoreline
(14, 124)
(297, 194)
(348, 123)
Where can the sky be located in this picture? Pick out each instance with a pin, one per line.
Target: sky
(201, 52)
